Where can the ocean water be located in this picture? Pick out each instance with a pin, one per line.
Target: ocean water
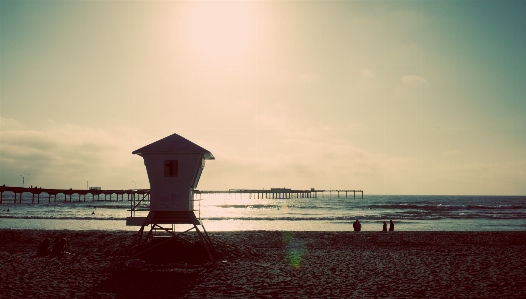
(327, 212)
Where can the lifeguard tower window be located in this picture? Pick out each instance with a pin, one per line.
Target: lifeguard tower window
(170, 168)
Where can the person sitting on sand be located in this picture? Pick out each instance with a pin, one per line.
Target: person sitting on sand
(357, 226)
(93, 213)
(59, 247)
(391, 225)
(43, 249)
(384, 228)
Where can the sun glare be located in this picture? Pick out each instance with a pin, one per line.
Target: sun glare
(223, 31)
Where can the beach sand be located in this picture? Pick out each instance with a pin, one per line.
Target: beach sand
(273, 264)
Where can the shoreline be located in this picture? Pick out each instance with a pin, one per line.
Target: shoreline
(275, 225)
(278, 264)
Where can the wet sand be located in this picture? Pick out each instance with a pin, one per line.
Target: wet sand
(265, 264)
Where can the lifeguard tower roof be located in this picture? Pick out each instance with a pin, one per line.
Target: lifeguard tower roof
(174, 144)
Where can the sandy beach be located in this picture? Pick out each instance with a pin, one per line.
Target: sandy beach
(273, 264)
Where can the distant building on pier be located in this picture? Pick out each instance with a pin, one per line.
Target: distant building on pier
(281, 189)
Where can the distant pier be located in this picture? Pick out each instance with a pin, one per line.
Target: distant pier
(50, 195)
(282, 193)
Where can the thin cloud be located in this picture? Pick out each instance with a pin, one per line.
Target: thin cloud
(367, 73)
(413, 80)
(9, 123)
(65, 156)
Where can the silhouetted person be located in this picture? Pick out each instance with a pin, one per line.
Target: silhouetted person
(93, 213)
(59, 247)
(8, 209)
(357, 226)
(391, 225)
(43, 247)
(384, 228)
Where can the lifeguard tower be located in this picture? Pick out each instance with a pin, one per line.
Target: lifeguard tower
(174, 166)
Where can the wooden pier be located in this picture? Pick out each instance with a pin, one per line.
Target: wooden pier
(52, 193)
(281, 193)
(135, 194)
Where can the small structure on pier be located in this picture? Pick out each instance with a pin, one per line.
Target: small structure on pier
(174, 165)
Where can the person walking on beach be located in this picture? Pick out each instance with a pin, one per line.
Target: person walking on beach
(391, 225)
(384, 228)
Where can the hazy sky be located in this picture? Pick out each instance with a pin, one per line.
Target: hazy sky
(392, 97)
